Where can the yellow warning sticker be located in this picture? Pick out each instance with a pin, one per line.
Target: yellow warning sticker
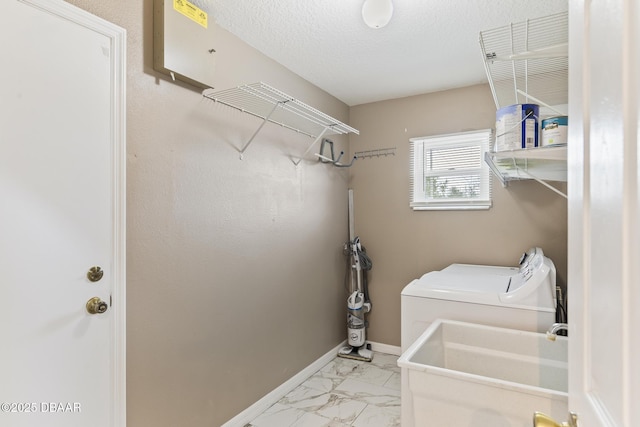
(191, 11)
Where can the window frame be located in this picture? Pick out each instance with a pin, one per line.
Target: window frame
(418, 201)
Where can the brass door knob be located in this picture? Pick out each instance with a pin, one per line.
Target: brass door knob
(542, 420)
(96, 306)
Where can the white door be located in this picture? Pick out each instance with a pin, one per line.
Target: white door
(61, 213)
(604, 239)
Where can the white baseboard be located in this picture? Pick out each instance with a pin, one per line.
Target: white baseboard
(263, 404)
(385, 348)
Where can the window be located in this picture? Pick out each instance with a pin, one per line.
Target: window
(449, 171)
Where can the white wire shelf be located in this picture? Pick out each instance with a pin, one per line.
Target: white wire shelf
(551, 152)
(540, 164)
(528, 62)
(271, 105)
(528, 58)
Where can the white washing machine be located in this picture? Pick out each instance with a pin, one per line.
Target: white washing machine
(521, 297)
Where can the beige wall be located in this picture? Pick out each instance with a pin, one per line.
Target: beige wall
(404, 244)
(235, 267)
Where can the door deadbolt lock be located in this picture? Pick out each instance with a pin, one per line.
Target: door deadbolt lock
(95, 273)
(96, 306)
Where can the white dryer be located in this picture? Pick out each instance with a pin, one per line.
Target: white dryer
(521, 297)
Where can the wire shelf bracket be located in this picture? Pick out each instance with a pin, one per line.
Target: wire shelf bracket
(273, 106)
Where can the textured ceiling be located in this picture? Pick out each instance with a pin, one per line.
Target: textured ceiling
(429, 45)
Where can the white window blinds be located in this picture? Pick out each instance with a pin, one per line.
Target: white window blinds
(449, 171)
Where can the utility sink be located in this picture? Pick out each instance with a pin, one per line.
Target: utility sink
(470, 375)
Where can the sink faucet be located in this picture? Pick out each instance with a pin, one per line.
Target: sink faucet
(554, 329)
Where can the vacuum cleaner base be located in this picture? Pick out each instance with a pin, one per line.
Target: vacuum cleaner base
(362, 353)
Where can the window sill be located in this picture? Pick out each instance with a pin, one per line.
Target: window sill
(452, 208)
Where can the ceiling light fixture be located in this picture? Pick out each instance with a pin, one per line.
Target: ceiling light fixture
(377, 13)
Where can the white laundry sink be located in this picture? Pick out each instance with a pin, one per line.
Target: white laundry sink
(467, 375)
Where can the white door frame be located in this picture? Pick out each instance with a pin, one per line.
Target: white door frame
(117, 37)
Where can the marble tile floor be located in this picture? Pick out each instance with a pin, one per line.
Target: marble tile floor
(343, 393)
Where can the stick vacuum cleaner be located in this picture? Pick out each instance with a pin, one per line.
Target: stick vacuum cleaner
(358, 303)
